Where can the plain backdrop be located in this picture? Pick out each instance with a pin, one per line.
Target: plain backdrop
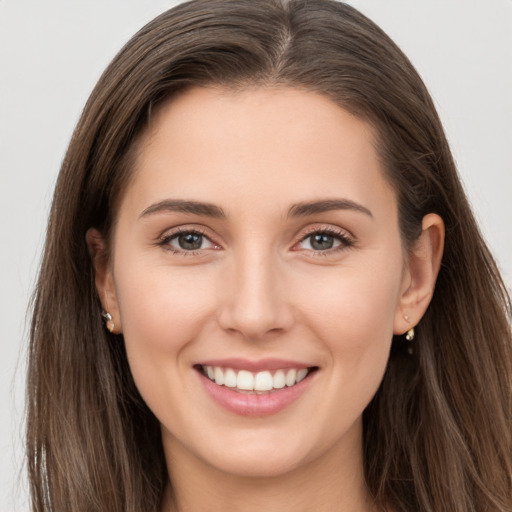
(53, 51)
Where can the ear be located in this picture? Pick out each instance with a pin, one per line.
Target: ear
(423, 263)
(103, 277)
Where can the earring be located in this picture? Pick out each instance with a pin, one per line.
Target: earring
(409, 336)
(109, 323)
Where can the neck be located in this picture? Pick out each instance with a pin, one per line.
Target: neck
(331, 482)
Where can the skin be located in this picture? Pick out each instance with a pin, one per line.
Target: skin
(258, 288)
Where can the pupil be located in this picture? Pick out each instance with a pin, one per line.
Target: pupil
(190, 241)
(322, 242)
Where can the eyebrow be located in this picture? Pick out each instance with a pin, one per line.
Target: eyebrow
(211, 210)
(326, 205)
(184, 206)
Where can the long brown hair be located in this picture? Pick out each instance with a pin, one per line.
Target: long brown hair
(437, 435)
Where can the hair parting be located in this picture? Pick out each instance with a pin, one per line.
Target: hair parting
(437, 435)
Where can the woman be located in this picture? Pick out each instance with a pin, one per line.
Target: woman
(263, 287)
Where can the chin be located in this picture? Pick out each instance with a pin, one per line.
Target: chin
(265, 453)
(258, 465)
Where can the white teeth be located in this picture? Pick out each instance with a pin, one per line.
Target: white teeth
(279, 379)
(260, 381)
(219, 376)
(301, 374)
(290, 377)
(230, 378)
(263, 381)
(245, 380)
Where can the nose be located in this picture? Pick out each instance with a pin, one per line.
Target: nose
(254, 298)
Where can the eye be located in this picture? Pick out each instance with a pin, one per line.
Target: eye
(187, 241)
(320, 242)
(325, 240)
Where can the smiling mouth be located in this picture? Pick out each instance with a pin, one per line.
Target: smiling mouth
(263, 382)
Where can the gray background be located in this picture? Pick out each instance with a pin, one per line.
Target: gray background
(53, 51)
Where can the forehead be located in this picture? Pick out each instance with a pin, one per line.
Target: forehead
(276, 145)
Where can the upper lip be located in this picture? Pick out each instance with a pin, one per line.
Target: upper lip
(255, 365)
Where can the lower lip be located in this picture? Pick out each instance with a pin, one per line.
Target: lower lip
(248, 404)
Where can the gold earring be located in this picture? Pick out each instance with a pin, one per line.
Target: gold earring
(410, 334)
(109, 323)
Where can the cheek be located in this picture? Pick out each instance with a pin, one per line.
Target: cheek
(161, 308)
(162, 312)
(354, 304)
(353, 317)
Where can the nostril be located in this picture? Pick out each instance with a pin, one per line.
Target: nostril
(255, 323)
(252, 305)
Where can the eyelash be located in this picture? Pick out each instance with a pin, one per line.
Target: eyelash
(165, 241)
(345, 241)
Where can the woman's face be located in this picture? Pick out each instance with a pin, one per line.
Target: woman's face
(257, 242)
